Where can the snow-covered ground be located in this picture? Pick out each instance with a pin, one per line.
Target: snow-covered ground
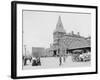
(53, 62)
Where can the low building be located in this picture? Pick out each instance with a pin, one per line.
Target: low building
(38, 52)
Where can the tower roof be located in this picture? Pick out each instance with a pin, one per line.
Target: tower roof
(59, 26)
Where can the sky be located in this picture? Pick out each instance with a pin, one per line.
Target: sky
(38, 26)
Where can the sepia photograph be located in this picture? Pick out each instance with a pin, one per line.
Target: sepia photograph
(53, 39)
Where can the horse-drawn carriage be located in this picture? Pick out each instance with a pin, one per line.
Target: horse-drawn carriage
(26, 58)
(78, 56)
(85, 57)
(36, 61)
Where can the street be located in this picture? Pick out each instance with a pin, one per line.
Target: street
(53, 62)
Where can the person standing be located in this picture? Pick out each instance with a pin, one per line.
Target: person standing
(64, 58)
(60, 60)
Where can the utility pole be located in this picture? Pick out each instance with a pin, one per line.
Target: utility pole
(25, 49)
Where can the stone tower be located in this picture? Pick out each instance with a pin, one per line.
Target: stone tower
(59, 31)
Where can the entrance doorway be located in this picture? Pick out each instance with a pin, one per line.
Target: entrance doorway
(55, 53)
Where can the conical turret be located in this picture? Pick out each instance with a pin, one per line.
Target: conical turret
(59, 26)
(59, 32)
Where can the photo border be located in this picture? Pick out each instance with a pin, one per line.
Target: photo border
(14, 38)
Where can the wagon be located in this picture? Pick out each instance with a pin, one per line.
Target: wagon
(36, 62)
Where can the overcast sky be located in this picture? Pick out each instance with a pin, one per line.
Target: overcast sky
(38, 26)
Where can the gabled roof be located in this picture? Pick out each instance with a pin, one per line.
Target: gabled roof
(59, 26)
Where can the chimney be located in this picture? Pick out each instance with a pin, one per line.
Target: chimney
(78, 33)
(72, 32)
